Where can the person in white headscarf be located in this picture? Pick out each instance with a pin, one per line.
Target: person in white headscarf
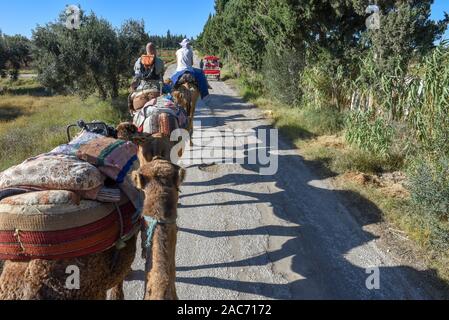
(184, 56)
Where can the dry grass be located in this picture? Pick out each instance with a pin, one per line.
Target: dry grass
(31, 125)
(169, 56)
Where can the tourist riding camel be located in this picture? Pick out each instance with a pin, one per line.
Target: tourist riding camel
(148, 77)
(184, 56)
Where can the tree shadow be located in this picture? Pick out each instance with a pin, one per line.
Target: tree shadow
(32, 91)
(9, 113)
(330, 250)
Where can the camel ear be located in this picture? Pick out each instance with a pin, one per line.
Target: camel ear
(138, 180)
(140, 139)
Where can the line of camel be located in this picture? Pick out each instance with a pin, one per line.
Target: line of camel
(105, 272)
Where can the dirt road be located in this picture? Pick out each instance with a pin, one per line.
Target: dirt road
(283, 236)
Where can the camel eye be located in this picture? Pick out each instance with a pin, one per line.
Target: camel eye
(164, 181)
(139, 180)
(143, 181)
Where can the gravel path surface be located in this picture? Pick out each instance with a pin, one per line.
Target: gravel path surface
(284, 236)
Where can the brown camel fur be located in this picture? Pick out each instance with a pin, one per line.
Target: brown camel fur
(149, 146)
(46, 280)
(187, 95)
(160, 181)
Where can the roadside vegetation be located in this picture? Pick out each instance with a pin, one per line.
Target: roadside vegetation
(168, 55)
(32, 124)
(371, 107)
(95, 59)
(15, 54)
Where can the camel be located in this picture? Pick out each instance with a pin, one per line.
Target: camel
(160, 181)
(186, 93)
(46, 279)
(149, 146)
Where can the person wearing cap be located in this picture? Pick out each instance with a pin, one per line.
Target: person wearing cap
(184, 56)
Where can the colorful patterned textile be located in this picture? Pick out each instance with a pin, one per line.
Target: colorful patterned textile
(14, 191)
(200, 78)
(114, 158)
(161, 116)
(53, 172)
(56, 228)
(59, 197)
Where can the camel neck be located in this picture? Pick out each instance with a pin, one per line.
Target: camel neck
(161, 269)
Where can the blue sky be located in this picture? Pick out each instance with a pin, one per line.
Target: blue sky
(180, 16)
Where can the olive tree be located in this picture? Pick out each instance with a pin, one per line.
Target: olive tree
(91, 58)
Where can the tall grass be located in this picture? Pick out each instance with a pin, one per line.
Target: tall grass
(428, 98)
(370, 133)
(41, 121)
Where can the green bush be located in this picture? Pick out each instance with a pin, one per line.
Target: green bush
(429, 186)
(321, 121)
(96, 58)
(252, 85)
(325, 83)
(369, 133)
(282, 75)
(362, 161)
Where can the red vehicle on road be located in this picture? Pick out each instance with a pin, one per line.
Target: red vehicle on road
(211, 66)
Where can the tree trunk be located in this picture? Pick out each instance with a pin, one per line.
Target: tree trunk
(101, 90)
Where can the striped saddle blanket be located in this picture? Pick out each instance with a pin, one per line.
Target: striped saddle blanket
(113, 158)
(55, 225)
(74, 201)
(160, 116)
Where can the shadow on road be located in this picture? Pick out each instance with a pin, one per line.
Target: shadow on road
(325, 241)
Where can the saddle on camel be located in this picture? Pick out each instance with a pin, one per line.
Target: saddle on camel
(191, 83)
(159, 118)
(82, 206)
(73, 201)
(159, 114)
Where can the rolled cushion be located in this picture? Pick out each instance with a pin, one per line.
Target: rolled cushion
(53, 172)
(140, 101)
(32, 227)
(53, 197)
(114, 158)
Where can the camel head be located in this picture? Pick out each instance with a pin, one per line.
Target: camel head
(160, 181)
(150, 146)
(183, 97)
(126, 131)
